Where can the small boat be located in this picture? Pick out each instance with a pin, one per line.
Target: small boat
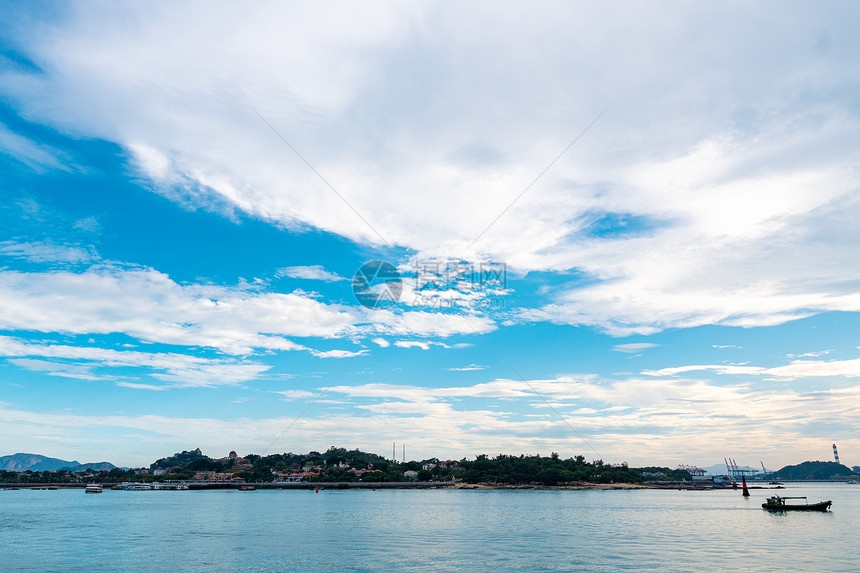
(776, 483)
(93, 488)
(777, 503)
(247, 488)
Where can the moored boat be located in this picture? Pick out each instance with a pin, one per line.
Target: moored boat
(777, 503)
(170, 485)
(136, 486)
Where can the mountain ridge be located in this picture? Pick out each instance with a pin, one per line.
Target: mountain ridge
(21, 462)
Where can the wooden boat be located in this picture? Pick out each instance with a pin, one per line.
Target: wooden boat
(777, 503)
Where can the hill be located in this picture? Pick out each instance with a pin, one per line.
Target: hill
(182, 459)
(93, 466)
(22, 462)
(34, 462)
(814, 470)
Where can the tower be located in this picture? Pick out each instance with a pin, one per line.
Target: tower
(835, 453)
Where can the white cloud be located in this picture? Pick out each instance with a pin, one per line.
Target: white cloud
(429, 119)
(718, 368)
(381, 342)
(89, 363)
(295, 394)
(810, 354)
(423, 323)
(469, 368)
(79, 371)
(412, 344)
(619, 418)
(425, 344)
(149, 306)
(47, 252)
(634, 347)
(315, 272)
(796, 369)
(32, 154)
(338, 353)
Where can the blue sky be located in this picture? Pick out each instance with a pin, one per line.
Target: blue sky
(188, 193)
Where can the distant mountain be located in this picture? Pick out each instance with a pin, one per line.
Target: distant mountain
(814, 470)
(38, 463)
(95, 466)
(35, 462)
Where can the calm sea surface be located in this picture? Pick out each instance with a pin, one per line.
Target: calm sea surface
(442, 530)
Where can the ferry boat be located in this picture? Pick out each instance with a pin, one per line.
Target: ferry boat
(93, 488)
(167, 485)
(777, 503)
(135, 486)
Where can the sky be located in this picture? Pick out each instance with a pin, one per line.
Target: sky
(625, 231)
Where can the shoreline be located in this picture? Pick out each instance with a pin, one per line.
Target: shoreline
(580, 486)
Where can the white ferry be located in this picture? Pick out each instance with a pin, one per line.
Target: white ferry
(135, 486)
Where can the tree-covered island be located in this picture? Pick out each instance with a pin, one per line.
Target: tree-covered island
(342, 465)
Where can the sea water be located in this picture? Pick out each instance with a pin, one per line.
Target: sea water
(427, 530)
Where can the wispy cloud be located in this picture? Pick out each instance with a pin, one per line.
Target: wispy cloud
(424, 344)
(150, 306)
(619, 418)
(810, 354)
(47, 252)
(91, 363)
(30, 153)
(469, 368)
(634, 347)
(796, 369)
(295, 394)
(315, 272)
(338, 353)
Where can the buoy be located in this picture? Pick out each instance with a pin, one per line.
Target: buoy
(746, 491)
(317, 490)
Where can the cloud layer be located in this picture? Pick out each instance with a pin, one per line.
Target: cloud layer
(619, 419)
(725, 164)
